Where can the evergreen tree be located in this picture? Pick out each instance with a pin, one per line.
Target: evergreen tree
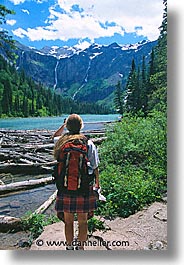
(5, 102)
(133, 90)
(25, 106)
(158, 97)
(6, 41)
(32, 96)
(151, 72)
(118, 99)
(7, 95)
(144, 88)
(152, 66)
(17, 105)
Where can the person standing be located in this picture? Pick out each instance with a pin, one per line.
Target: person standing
(82, 204)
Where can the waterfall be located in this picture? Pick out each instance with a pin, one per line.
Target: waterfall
(85, 80)
(55, 74)
(21, 60)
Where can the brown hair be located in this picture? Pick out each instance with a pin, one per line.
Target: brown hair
(73, 123)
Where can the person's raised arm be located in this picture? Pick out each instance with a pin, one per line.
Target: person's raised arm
(59, 130)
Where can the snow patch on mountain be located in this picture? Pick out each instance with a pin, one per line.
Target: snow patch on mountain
(92, 49)
(95, 55)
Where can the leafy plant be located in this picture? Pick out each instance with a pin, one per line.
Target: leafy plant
(127, 193)
(133, 164)
(95, 224)
(35, 223)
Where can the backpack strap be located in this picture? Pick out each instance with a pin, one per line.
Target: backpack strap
(66, 169)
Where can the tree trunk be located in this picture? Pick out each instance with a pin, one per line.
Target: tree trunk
(22, 185)
(28, 168)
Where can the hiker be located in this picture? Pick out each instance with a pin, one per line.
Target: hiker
(73, 198)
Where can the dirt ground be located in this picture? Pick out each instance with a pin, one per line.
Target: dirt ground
(145, 230)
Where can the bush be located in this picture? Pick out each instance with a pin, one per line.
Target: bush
(94, 224)
(133, 164)
(34, 223)
(127, 193)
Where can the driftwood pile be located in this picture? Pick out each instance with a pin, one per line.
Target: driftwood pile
(29, 152)
(26, 152)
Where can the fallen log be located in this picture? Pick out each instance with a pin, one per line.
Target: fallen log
(34, 158)
(9, 223)
(8, 154)
(1, 182)
(23, 185)
(43, 147)
(25, 161)
(98, 140)
(33, 168)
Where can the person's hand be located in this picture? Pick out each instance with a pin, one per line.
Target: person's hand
(96, 186)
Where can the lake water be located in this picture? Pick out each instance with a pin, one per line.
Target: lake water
(18, 204)
(91, 122)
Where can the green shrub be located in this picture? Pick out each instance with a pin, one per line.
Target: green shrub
(140, 142)
(94, 224)
(34, 223)
(133, 164)
(127, 193)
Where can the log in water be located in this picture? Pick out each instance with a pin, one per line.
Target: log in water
(22, 185)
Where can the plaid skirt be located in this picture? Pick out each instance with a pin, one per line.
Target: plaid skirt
(75, 204)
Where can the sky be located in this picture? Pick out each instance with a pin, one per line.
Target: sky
(39, 23)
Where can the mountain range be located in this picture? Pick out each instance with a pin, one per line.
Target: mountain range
(85, 75)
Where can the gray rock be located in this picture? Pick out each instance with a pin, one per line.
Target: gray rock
(159, 245)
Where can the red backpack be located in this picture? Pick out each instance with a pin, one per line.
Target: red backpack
(71, 173)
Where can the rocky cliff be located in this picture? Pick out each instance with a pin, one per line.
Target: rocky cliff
(85, 75)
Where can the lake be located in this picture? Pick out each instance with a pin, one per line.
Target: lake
(91, 122)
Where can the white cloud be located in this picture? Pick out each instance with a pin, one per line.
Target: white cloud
(11, 22)
(25, 11)
(125, 15)
(17, 2)
(21, 33)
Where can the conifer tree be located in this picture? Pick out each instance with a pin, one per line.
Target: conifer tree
(158, 97)
(5, 102)
(144, 88)
(17, 105)
(6, 40)
(151, 72)
(133, 90)
(7, 96)
(118, 99)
